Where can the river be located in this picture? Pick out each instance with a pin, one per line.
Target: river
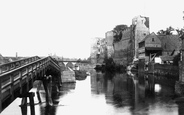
(108, 94)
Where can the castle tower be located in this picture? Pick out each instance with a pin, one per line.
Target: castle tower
(95, 49)
(109, 38)
(141, 30)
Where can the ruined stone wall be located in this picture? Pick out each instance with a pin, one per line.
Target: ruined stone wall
(109, 39)
(123, 49)
(95, 49)
(98, 50)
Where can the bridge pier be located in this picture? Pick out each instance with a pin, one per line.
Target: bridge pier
(24, 103)
(47, 84)
(38, 91)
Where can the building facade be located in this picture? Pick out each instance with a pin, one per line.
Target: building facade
(123, 49)
(98, 50)
(166, 47)
(126, 50)
(150, 47)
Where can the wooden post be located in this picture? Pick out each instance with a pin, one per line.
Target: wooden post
(48, 92)
(27, 80)
(20, 83)
(38, 96)
(38, 91)
(24, 103)
(24, 106)
(12, 88)
(31, 99)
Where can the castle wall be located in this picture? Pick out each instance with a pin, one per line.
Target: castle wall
(123, 48)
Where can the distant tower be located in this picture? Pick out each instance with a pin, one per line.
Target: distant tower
(95, 44)
(16, 55)
(109, 39)
(141, 30)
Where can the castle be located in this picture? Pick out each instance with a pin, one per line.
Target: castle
(136, 43)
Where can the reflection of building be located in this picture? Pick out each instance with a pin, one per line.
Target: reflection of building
(97, 83)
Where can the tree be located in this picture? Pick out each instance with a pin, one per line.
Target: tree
(168, 31)
(180, 33)
(118, 32)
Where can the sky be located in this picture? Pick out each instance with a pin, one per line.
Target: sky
(65, 27)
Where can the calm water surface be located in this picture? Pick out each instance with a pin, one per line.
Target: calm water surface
(109, 94)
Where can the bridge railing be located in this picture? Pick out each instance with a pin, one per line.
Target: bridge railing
(15, 64)
(15, 78)
(55, 62)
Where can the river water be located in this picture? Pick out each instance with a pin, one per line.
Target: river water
(109, 94)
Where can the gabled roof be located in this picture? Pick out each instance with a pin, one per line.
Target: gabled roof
(150, 35)
(170, 42)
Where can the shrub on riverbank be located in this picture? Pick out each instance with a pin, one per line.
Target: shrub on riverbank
(110, 66)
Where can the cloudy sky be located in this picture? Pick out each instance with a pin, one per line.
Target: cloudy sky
(65, 27)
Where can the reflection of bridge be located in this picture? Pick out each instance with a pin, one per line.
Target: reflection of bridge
(17, 78)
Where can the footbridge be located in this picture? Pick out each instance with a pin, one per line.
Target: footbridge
(17, 78)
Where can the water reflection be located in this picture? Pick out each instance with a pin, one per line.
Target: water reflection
(114, 94)
(135, 94)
